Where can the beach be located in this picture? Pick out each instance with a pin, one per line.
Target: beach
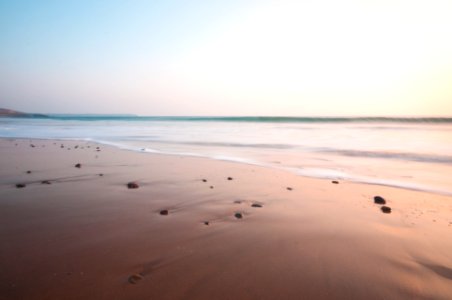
(198, 228)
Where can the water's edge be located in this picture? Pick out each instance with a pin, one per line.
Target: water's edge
(303, 172)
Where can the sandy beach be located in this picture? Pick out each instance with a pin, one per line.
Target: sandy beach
(198, 228)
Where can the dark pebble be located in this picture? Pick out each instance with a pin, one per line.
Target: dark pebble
(101, 174)
(204, 180)
(46, 182)
(32, 146)
(229, 178)
(206, 222)
(256, 205)
(78, 165)
(289, 188)
(386, 209)
(135, 278)
(335, 182)
(164, 212)
(211, 186)
(20, 185)
(28, 172)
(132, 185)
(238, 215)
(379, 200)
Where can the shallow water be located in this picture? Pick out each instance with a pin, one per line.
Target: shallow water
(403, 152)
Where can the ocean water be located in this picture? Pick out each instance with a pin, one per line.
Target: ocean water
(410, 153)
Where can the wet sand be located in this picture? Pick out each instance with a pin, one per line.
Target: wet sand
(81, 232)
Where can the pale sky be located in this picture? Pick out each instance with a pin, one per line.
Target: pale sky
(285, 58)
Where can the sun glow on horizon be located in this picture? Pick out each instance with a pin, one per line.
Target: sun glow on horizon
(340, 56)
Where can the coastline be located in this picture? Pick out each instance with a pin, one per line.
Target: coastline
(84, 235)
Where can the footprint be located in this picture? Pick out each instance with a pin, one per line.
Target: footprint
(135, 278)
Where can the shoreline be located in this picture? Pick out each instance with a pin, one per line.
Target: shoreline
(358, 179)
(85, 235)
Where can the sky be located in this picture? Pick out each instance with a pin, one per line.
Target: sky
(217, 58)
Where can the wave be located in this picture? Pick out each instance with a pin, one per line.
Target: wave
(417, 157)
(402, 156)
(253, 119)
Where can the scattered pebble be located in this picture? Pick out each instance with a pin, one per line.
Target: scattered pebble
(386, 209)
(32, 146)
(211, 186)
(289, 188)
(132, 185)
(101, 174)
(238, 201)
(230, 178)
(379, 200)
(204, 180)
(256, 205)
(206, 222)
(238, 215)
(46, 182)
(335, 182)
(164, 212)
(20, 185)
(28, 172)
(78, 165)
(135, 278)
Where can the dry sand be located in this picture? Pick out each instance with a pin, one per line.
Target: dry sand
(84, 235)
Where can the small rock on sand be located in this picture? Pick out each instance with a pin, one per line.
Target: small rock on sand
(206, 222)
(28, 172)
(135, 278)
(238, 215)
(78, 165)
(101, 174)
(20, 185)
(379, 200)
(256, 205)
(211, 186)
(164, 212)
(132, 185)
(386, 209)
(46, 182)
(204, 180)
(335, 182)
(289, 188)
(230, 178)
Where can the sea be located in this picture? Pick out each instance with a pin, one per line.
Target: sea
(408, 153)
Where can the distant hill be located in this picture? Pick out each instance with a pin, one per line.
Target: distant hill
(9, 113)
